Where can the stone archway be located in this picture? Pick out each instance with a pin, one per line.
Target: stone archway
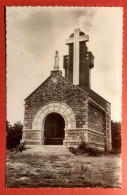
(58, 107)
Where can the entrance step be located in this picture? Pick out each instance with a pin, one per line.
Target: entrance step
(48, 149)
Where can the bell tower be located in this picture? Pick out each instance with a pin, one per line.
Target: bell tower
(80, 61)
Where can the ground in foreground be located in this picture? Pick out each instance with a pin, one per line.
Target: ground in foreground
(38, 169)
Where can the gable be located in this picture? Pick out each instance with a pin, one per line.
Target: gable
(56, 89)
(57, 81)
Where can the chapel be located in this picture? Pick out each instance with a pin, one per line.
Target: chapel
(65, 110)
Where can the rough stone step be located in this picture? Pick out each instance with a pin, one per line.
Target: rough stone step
(48, 149)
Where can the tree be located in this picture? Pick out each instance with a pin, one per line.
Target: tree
(116, 135)
(13, 134)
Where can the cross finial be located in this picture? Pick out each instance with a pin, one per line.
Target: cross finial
(56, 66)
(77, 30)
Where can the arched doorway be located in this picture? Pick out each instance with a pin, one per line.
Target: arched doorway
(54, 107)
(54, 129)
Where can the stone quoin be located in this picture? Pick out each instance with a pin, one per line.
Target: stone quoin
(65, 110)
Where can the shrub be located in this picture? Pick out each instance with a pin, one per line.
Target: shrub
(94, 151)
(84, 148)
(113, 152)
(73, 150)
(21, 147)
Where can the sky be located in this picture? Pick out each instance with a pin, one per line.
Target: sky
(33, 34)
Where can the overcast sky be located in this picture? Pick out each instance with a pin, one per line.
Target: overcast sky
(33, 35)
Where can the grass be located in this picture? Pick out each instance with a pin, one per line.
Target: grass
(62, 170)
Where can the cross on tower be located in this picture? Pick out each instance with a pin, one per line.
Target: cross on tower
(76, 40)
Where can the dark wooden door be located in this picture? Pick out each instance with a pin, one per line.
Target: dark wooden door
(54, 129)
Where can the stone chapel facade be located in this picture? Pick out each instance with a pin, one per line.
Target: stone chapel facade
(65, 110)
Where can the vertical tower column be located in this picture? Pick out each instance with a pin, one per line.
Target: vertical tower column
(76, 58)
(75, 39)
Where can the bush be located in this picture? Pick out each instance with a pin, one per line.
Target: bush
(13, 135)
(113, 152)
(73, 150)
(94, 151)
(84, 148)
(21, 147)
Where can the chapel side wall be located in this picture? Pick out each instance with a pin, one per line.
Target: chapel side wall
(108, 127)
(96, 119)
(96, 126)
(61, 90)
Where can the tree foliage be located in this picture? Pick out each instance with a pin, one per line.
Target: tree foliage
(13, 134)
(116, 135)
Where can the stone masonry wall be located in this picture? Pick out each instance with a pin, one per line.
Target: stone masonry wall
(97, 126)
(96, 119)
(57, 88)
